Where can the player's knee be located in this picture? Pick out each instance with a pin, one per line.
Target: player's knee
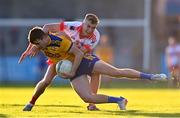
(117, 72)
(88, 99)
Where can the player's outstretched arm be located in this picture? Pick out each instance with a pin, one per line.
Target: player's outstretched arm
(31, 50)
(51, 27)
(25, 53)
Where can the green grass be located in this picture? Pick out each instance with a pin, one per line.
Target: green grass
(64, 102)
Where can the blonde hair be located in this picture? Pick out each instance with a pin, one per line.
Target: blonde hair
(92, 18)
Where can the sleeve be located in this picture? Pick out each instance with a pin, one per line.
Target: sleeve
(66, 25)
(61, 26)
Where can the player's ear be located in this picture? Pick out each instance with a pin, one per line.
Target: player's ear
(37, 41)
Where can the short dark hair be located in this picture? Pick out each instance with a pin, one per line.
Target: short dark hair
(35, 34)
(92, 18)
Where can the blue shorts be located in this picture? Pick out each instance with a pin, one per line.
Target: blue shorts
(86, 66)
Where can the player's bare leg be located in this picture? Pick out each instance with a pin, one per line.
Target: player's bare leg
(88, 96)
(107, 69)
(94, 83)
(41, 86)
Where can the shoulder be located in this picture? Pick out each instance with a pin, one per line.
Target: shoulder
(96, 36)
(178, 46)
(168, 48)
(73, 23)
(63, 36)
(96, 33)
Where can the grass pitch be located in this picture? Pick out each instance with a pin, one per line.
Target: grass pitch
(64, 102)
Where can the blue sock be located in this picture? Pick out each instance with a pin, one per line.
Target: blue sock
(114, 99)
(145, 76)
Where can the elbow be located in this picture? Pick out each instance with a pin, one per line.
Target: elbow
(46, 28)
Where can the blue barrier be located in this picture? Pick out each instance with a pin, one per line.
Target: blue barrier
(28, 70)
(164, 68)
(10, 69)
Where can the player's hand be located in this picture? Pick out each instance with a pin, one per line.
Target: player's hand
(32, 52)
(77, 43)
(23, 56)
(68, 75)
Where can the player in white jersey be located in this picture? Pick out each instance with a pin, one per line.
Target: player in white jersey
(173, 60)
(84, 34)
(75, 31)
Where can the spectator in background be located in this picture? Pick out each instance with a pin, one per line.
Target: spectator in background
(173, 60)
(106, 52)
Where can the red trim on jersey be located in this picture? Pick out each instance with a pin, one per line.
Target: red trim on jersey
(49, 62)
(88, 48)
(61, 26)
(79, 28)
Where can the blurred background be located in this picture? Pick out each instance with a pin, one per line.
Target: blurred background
(134, 32)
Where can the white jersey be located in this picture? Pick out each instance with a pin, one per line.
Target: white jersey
(173, 54)
(73, 29)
